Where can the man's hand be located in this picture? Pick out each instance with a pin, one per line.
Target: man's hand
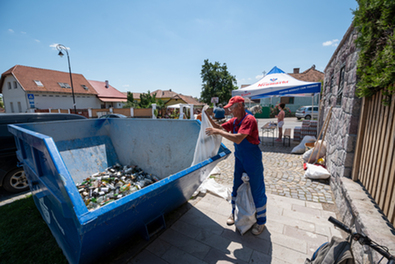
(212, 131)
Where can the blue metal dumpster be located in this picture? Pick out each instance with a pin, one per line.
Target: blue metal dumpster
(57, 155)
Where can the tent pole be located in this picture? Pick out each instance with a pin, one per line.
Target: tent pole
(312, 106)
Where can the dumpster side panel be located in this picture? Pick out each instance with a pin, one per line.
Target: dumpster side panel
(161, 147)
(143, 214)
(51, 191)
(86, 156)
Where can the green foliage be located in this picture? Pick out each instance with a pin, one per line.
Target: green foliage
(130, 101)
(375, 22)
(1, 102)
(217, 82)
(146, 100)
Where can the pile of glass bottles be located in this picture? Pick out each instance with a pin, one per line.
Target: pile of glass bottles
(112, 184)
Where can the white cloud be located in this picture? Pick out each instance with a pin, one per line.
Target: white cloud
(23, 32)
(259, 76)
(333, 43)
(10, 30)
(36, 40)
(125, 85)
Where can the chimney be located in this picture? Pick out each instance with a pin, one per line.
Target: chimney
(170, 90)
(296, 70)
(107, 84)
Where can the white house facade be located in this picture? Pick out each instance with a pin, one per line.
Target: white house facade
(26, 89)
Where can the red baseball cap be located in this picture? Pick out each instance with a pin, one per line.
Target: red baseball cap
(233, 100)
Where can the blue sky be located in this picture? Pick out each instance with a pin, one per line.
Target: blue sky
(149, 45)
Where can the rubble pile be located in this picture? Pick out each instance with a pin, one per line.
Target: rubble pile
(114, 183)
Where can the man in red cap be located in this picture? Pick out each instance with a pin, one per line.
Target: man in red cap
(248, 157)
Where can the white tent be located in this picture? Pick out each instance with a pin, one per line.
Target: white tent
(277, 82)
(174, 106)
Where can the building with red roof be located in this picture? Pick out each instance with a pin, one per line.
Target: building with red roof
(108, 95)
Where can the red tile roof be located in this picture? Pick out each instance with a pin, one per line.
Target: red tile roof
(109, 94)
(164, 94)
(309, 75)
(49, 78)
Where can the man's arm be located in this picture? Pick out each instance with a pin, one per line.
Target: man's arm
(215, 125)
(236, 138)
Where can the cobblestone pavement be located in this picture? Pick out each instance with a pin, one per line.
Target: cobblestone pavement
(283, 172)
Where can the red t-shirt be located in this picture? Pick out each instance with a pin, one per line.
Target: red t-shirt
(248, 126)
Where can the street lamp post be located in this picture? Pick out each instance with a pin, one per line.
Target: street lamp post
(60, 47)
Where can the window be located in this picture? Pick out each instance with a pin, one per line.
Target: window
(84, 86)
(56, 95)
(15, 85)
(51, 95)
(287, 100)
(12, 107)
(19, 107)
(64, 85)
(9, 86)
(44, 95)
(341, 86)
(38, 83)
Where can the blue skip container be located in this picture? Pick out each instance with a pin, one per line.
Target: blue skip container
(57, 155)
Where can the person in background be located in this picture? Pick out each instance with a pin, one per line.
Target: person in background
(280, 122)
(199, 115)
(248, 157)
(219, 112)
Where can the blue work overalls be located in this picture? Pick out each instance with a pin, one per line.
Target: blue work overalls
(248, 159)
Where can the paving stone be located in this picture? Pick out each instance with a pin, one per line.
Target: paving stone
(147, 257)
(215, 256)
(176, 256)
(304, 235)
(184, 243)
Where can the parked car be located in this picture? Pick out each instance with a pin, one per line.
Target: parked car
(113, 116)
(305, 112)
(12, 177)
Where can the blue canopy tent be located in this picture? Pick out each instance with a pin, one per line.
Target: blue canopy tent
(278, 83)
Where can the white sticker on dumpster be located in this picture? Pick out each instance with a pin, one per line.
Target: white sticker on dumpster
(44, 209)
(61, 229)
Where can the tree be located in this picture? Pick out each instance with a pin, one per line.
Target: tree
(1, 102)
(130, 101)
(217, 82)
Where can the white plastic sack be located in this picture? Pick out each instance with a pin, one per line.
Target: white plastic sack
(215, 188)
(307, 154)
(206, 146)
(316, 172)
(245, 207)
(300, 149)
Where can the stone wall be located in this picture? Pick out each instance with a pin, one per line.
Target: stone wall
(342, 131)
(357, 209)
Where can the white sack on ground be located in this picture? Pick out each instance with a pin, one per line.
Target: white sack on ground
(300, 149)
(245, 207)
(206, 146)
(316, 172)
(307, 154)
(210, 185)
